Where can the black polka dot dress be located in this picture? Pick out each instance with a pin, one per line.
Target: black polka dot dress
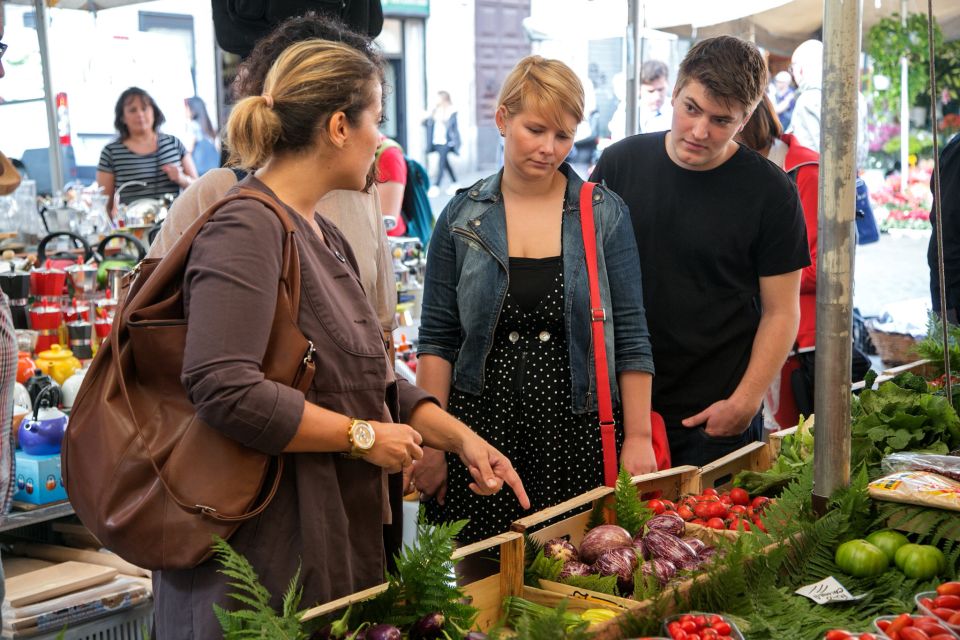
(525, 410)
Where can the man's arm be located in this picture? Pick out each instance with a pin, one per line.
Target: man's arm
(780, 299)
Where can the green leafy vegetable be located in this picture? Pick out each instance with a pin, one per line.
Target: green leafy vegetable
(632, 513)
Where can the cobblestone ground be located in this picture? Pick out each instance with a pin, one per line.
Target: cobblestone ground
(891, 270)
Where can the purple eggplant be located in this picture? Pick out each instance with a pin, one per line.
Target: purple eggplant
(382, 631)
(696, 544)
(662, 569)
(670, 522)
(621, 562)
(475, 635)
(575, 568)
(603, 538)
(660, 544)
(323, 633)
(428, 627)
(560, 548)
(639, 547)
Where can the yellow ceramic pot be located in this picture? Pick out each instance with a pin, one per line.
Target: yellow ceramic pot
(58, 363)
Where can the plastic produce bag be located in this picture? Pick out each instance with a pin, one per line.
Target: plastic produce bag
(917, 487)
(948, 466)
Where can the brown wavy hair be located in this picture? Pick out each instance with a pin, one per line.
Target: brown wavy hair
(308, 83)
(732, 71)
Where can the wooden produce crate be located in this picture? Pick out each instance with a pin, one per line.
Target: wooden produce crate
(671, 484)
(719, 474)
(919, 367)
(486, 594)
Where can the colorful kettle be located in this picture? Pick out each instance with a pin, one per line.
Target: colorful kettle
(42, 433)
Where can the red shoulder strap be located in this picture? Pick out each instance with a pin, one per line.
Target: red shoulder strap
(598, 315)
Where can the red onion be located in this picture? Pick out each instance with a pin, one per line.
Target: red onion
(603, 538)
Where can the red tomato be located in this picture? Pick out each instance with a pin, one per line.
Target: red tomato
(669, 505)
(942, 612)
(836, 634)
(740, 525)
(758, 523)
(927, 602)
(700, 620)
(955, 618)
(900, 622)
(699, 521)
(725, 499)
(949, 601)
(913, 633)
(709, 491)
(740, 496)
(866, 636)
(723, 627)
(759, 503)
(739, 509)
(702, 510)
(883, 625)
(949, 589)
(943, 636)
(716, 523)
(685, 513)
(688, 626)
(656, 506)
(716, 510)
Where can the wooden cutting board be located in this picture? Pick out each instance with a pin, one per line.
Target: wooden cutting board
(60, 579)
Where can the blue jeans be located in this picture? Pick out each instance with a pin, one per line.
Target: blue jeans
(693, 446)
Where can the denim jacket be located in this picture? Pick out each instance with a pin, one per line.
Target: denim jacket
(467, 278)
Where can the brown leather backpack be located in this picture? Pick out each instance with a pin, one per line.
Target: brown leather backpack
(144, 474)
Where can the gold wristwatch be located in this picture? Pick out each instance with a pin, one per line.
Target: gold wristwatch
(361, 436)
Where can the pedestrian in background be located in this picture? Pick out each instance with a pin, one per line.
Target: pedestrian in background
(201, 138)
(443, 137)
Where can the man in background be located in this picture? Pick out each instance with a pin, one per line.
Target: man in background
(655, 111)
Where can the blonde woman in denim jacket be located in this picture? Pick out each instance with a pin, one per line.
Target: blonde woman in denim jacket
(505, 340)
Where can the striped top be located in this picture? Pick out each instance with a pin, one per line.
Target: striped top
(125, 165)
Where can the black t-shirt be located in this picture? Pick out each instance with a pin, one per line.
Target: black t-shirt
(705, 238)
(950, 205)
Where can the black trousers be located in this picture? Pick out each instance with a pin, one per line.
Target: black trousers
(693, 446)
(444, 151)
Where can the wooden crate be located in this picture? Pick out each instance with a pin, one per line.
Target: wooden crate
(671, 484)
(486, 594)
(919, 367)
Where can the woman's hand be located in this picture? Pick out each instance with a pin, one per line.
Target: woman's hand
(637, 455)
(430, 475)
(176, 175)
(490, 469)
(395, 447)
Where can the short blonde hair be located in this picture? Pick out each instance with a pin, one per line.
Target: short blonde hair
(307, 84)
(543, 86)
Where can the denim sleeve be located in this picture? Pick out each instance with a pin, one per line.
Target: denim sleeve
(631, 337)
(440, 313)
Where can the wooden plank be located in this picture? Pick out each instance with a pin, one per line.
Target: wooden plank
(512, 566)
(58, 580)
(63, 554)
(483, 545)
(344, 602)
(671, 482)
(776, 442)
(485, 595)
(920, 367)
(754, 456)
(588, 597)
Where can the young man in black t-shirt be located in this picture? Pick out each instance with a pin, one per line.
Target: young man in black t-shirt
(722, 240)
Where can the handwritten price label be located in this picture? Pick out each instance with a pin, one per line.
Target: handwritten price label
(826, 591)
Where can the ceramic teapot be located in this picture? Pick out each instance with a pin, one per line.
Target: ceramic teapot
(25, 367)
(72, 386)
(40, 434)
(58, 363)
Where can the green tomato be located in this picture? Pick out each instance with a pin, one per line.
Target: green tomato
(861, 559)
(921, 561)
(888, 541)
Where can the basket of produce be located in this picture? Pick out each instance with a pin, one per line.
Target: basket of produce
(894, 348)
(682, 626)
(912, 627)
(944, 603)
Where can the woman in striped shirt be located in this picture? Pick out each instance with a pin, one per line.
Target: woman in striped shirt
(142, 153)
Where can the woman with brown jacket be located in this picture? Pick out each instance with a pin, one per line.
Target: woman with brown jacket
(314, 129)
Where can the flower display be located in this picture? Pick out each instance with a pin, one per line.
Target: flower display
(908, 208)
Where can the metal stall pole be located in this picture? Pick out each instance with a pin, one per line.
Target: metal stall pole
(904, 108)
(836, 244)
(50, 99)
(633, 46)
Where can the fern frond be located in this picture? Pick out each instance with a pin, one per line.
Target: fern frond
(632, 513)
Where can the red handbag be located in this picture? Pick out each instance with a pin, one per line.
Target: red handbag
(598, 315)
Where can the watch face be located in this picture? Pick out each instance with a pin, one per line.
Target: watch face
(363, 435)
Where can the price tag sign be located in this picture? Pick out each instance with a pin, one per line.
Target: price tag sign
(826, 591)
